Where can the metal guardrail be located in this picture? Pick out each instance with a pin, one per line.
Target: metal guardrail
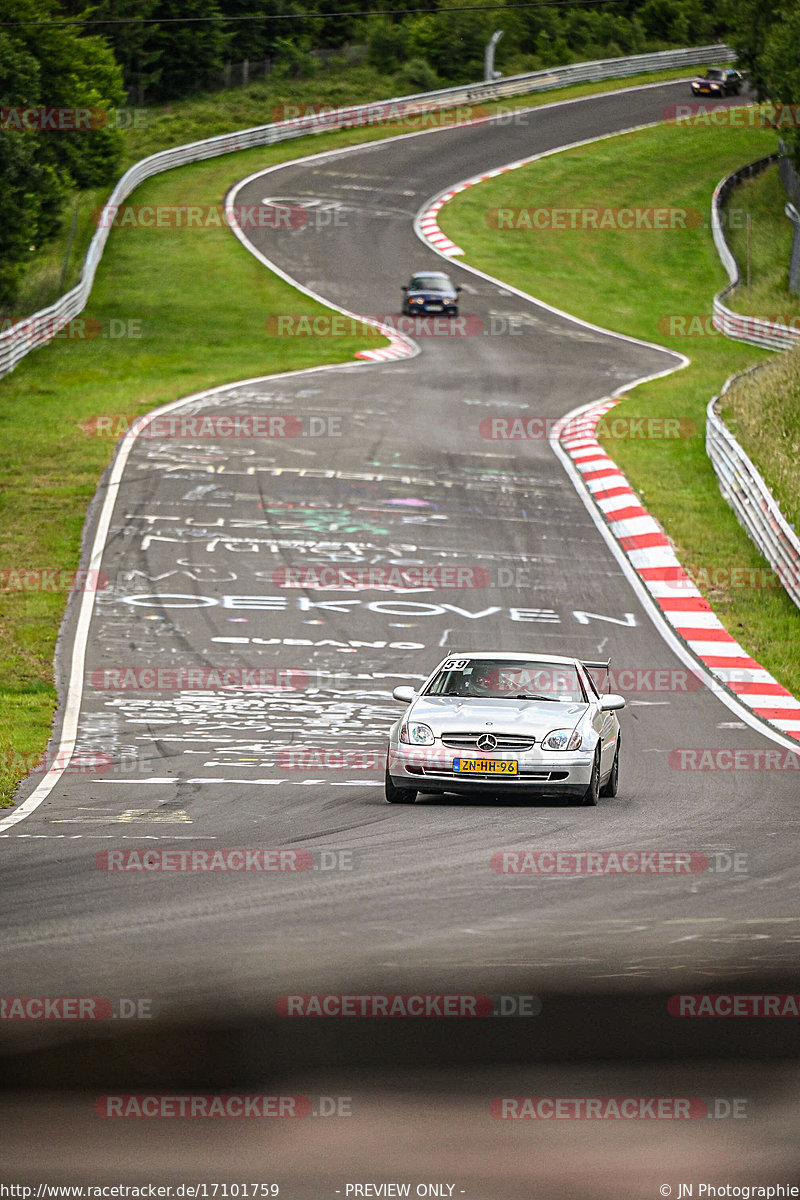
(36, 330)
(757, 331)
(743, 487)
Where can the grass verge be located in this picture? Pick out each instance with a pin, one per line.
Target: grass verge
(770, 247)
(762, 410)
(188, 308)
(160, 288)
(646, 283)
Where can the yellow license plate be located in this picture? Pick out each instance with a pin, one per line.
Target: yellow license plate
(485, 766)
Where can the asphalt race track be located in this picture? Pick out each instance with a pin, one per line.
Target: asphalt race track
(388, 466)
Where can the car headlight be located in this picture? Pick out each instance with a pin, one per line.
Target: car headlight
(416, 300)
(562, 739)
(416, 734)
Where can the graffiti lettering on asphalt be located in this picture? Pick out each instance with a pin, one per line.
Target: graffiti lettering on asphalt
(391, 608)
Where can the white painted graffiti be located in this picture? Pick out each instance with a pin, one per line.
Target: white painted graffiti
(391, 608)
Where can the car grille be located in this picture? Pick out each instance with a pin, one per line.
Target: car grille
(505, 741)
(526, 775)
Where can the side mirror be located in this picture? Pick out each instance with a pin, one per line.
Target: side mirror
(610, 702)
(404, 289)
(459, 288)
(406, 694)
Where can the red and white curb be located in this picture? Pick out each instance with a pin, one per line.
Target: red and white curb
(428, 226)
(648, 550)
(741, 682)
(399, 347)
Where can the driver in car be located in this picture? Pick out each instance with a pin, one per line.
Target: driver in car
(484, 682)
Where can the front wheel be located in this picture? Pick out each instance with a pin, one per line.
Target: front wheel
(396, 795)
(610, 786)
(590, 796)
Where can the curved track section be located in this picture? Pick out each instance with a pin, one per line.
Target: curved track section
(382, 465)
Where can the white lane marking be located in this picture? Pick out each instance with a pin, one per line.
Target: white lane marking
(72, 706)
(132, 837)
(238, 779)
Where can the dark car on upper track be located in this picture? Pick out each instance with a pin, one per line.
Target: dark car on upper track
(430, 292)
(718, 81)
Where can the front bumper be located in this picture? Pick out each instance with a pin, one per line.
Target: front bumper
(430, 769)
(436, 307)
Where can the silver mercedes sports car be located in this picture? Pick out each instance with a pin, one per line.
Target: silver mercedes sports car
(506, 724)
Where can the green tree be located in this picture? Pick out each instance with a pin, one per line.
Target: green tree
(387, 44)
(125, 26)
(750, 22)
(191, 40)
(57, 70)
(781, 65)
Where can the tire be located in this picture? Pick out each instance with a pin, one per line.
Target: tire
(610, 786)
(396, 795)
(590, 796)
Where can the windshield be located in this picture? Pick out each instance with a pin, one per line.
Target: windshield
(507, 679)
(714, 73)
(436, 283)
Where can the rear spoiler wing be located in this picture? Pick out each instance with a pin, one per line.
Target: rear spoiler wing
(599, 666)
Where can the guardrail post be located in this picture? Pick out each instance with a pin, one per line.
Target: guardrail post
(489, 73)
(756, 509)
(794, 263)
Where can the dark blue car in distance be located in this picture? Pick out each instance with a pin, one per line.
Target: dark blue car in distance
(430, 292)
